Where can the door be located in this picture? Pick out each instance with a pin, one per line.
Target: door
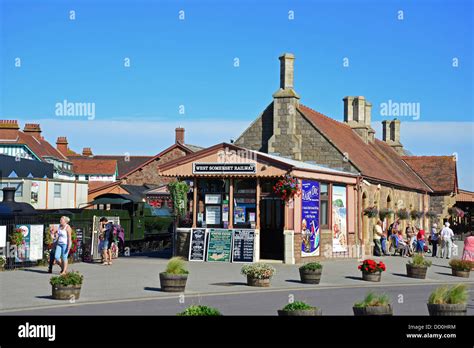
(271, 228)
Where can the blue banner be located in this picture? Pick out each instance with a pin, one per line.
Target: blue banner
(310, 218)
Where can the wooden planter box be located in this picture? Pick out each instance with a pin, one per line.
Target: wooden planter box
(447, 309)
(173, 282)
(301, 313)
(373, 310)
(459, 273)
(310, 276)
(68, 292)
(416, 271)
(264, 283)
(372, 277)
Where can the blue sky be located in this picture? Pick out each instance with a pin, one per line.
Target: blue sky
(190, 62)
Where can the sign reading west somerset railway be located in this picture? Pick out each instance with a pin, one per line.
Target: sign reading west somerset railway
(224, 168)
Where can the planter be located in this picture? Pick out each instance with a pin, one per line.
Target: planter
(372, 277)
(310, 276)
(460, 273)
(173, 282)
(447, 309)
(264, 283)
(301, 313)
(66, 292)
(416, 271)
(373, 310)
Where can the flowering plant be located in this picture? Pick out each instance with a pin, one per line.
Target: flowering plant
(3, 261)
(383, 213)
(372, 266)
(17, 237)
(287, 187)
(73, 249)
(415, 214)
(402, 214)
(431, 215)
(258, 271)
(371, 212)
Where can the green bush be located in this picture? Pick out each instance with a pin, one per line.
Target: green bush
(176, 265)
(258, 271)
(297, 305)
(373, 300)
(418, 260)
(70, 278)
(311, 266)
(457, 294)
(200, 311)
(461, 265)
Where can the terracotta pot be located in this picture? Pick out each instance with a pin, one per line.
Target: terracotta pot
(300, 313)
(373, 310)
(447, 309)
(416, 271)
(372, 277)
(68, 292)
(173, 282)
(265, 283)
(460, 273)
(310, 276)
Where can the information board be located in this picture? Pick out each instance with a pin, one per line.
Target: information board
(243, 245)
(197, 244)
(220, 245)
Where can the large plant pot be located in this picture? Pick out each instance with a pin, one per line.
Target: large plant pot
(68, 292)
(301, 313)
(173, 282)
(310, 276)
(459, 273)
(447, 309)
(416, 271)
(373, 310)
(264, 283)
(372, 277)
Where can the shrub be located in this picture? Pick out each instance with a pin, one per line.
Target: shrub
(373, 300)
(193, 311)
(296, 306)
(461, 265)
(457, 294)
(418, 260)
(258, 271)
(70, 278)
(3, 261)
(176, 265)
(372, 266)
(311, 266)
(16, 238)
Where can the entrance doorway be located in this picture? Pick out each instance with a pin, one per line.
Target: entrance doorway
(271, 228)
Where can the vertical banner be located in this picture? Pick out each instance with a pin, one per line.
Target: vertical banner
(310, 218)
(36, 242)
(23, 250)
(3, 236)
(339, 220)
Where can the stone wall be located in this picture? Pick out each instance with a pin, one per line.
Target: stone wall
(259, 132)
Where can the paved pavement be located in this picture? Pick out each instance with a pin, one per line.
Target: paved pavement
(134, 278)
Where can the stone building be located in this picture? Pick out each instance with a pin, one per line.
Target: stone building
(389, 177)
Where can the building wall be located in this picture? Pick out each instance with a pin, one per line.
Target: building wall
(149, 173)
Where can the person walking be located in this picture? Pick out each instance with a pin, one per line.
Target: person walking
(434, 240)
(106, 240)
(52, 252)
(468, 251)
(378, 233)
(63, 244)
(447, 235)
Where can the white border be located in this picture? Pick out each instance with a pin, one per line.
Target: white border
(191, 243)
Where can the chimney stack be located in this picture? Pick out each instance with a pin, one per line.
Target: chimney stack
(9, 194)
(357, 114)
(391, 135)
(287, 61)
(10, 125)
(33, 129)
(179, 135)
(87, 151)
(62, 145)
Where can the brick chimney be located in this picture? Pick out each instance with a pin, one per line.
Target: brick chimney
(62, 145)
(391, 135)
(87, 151)
(284, 140)
(33, 129)
(357, 114)
(179, 135)
(9, 125)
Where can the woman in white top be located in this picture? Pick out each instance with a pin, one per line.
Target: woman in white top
(64, 244)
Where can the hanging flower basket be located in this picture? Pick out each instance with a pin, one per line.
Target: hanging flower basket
(431, 215)
(455, 212)
(383, 213)
(415, 214)
(287, 188)
(402, 214)
(371, 212)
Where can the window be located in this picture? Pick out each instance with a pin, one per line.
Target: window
(57, 190)
(324, 206)
(245, 202)
(213, 203)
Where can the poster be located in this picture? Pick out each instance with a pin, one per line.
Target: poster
(34, 193)
(213, 215)
(197, 245)
(213, 198)
(220, 245)
(310, 218)
(243, 245)
(22, 251)
(36, 243)
(339, 220)
(239, 215)
(3, 236)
